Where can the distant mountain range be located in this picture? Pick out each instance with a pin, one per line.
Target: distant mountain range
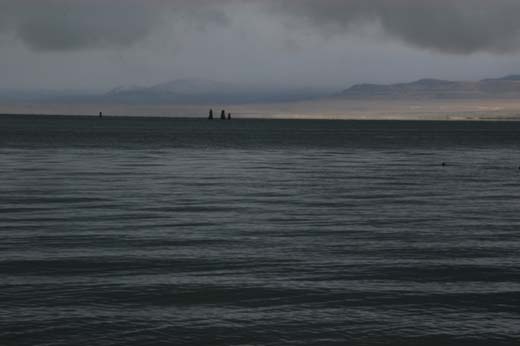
(506, 87)
(205, 91)
(199, 91)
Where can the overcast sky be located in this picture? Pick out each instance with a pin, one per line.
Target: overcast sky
(100, 44)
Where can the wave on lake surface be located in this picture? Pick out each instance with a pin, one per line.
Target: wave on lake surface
(134, 231)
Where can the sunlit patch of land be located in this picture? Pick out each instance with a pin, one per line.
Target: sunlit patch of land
(392, 110)
(467, 109)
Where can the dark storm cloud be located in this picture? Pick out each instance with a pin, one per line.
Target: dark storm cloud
(56, 25)
(70, 25)
(449, 26)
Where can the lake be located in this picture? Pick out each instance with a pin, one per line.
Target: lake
(165, 231)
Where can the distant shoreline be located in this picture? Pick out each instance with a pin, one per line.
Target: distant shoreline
(333, 109)
(276, 118)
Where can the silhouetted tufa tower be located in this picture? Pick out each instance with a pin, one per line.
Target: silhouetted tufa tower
(210, 114)
(229, 116)
(223, 115)
(101, 114)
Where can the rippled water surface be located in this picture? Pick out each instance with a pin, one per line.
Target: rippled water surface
(133, 231)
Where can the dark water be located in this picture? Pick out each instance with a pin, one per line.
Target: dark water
(169, 232)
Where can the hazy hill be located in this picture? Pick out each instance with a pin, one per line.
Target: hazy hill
(205, 91)
(184, 90)
(506, 87)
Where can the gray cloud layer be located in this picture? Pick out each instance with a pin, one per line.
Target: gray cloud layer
(70, 25)
(55, 25)
(449, 26)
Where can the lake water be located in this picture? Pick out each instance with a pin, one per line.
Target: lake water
(136, 231)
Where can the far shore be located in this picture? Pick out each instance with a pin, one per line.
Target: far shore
(468, 109)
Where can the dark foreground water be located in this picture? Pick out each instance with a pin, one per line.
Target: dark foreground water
(131, 231)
